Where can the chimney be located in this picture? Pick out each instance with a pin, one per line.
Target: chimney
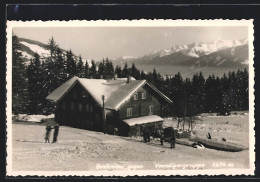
(128, 79)
(115, 77)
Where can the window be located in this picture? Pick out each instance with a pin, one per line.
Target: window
(80, 107)
(150, 109)
(72, 106)
(136, 96)
(84, 94)
(87, 108)
(129, 112)
(143, 95)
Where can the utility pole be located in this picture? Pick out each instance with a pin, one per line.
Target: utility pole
(104, 114)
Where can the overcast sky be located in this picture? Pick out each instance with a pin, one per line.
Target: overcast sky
(112, 42)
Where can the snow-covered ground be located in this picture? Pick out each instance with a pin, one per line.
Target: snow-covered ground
(83, 150)
(234, 128)
(32, 118)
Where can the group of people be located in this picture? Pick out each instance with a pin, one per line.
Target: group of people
(163, 135)
(48, 132)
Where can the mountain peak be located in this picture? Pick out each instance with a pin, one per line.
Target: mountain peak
(219, 53)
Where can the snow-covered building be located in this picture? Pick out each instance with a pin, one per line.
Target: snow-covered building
(104, 105)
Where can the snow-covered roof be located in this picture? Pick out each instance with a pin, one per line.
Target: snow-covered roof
(116, 92)
(59, 92)
(125, 79)
(142, 120)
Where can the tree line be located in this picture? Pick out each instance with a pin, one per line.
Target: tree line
(33, 82)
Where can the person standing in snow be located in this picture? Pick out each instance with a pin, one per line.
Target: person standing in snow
(161, 136)
(172, 139)
(148, 134)
(55, 134)
(208, 136)
(145, 135)
(48, 132)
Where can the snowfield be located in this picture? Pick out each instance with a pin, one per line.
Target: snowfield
(234, 128)
(83, 150)
(37, 49)
(32, 118)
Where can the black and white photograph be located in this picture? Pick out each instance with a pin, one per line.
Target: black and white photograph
(120, 98)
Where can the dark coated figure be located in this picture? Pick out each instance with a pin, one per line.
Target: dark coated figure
(172, 139)
(208, 136)
(56, 132)
(159, 134)
(146, 135)
(48, 132)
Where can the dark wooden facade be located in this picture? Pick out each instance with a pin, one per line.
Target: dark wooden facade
(78, 109)
(151, 105)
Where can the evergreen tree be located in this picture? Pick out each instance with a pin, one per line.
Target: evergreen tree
(118, 71)
(19, 79)
(142, 75)
(93, 70)
(198, 86)
(125, 71)
(71, 64)
(80, 68)
(52, 46)
(191, 109)
(60, 65)
(244, 90)
(108, 69)
(212, 93)
(35, 83)
(167, 85)
(178, 95)
(86, 70)
(135, 72)
(101, 69)
(232, 94)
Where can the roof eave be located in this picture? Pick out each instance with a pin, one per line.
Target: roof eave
(63, 95)
(160, 93)
(129, 96)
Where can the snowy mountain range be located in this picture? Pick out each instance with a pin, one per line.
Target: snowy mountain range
(29, 47)
(220, 53)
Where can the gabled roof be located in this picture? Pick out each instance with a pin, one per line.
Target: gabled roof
(59, 92)
(116, 92)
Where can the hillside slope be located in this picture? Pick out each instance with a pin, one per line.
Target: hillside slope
(83, 150)
(29, 47)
